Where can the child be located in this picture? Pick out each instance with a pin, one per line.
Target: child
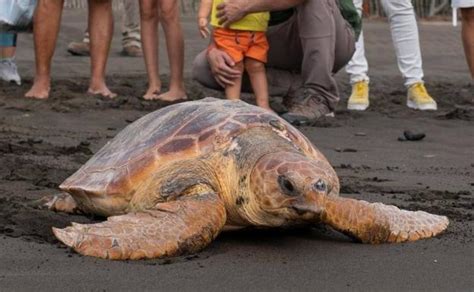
(167, 13)
(245, 42)
(8, 69)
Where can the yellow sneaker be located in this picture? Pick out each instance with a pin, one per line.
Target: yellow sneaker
(359, 99)
(419, 98)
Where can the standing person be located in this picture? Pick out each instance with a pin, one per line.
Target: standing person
(166, 12)
(309, 40)
(245, 42)
(401, 16)
(131, 40)
(8, 69)
(46, 25)
(467, 15)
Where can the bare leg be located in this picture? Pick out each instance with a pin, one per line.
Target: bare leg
(7, 52)
(233, 92)
(468, 36)
(258, 78)
(149, 30)
(101, 32)
(169, 17)
(46, 28)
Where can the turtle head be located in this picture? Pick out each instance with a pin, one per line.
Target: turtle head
(289, 187)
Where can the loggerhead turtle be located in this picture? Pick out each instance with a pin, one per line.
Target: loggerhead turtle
(170, 181)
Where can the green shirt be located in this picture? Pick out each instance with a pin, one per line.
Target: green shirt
(347, 8)
(349, 12)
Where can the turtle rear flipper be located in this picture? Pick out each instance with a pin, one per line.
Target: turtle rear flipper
(170, 229)
(379, 223)
(62, 202)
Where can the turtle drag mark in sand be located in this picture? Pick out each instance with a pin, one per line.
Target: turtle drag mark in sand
(170, 181)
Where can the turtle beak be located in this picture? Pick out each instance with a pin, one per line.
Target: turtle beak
(309, 205)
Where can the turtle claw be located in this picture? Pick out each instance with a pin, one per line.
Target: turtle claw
(67, 236)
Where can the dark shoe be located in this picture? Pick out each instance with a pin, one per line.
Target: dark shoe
(132, 51)
(79, 49)
(307, 109)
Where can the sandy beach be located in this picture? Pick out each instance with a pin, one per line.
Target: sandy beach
(43, 142)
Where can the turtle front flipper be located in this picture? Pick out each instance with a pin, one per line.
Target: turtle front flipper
(172, 228)
(379, 223)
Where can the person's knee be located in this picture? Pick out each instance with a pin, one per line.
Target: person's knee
(169, 13)
(200, 69)
(253, 66)
(398, 7)
(148, 13)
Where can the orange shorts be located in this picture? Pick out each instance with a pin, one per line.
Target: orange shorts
(241, 44)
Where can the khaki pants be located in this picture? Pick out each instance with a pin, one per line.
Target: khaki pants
(130, 25)
(305, 52)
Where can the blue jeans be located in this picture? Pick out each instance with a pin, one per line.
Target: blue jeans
(7, 39)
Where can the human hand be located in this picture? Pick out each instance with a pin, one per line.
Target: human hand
(203, 29)
(222, 67)
(232, 11)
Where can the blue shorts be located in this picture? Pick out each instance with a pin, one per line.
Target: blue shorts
(7, 39)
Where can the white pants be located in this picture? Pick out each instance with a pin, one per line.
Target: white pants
(401, 16)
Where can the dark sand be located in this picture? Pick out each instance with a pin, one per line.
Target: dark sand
(43, 142)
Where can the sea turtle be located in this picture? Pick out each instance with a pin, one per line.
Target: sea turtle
(171, 180)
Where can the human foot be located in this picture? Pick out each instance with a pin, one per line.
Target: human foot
(263, 103)
(132, 51)
(268, 108)
(79, 48)
(152, 93)
(40, 89)
(307, 109)
(101, 90)
(173, 95)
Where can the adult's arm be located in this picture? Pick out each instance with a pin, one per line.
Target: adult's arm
(222, 66)
(232, 11)
(220, 62)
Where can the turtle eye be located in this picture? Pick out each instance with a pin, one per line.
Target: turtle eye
(286, 186)
(320, 186)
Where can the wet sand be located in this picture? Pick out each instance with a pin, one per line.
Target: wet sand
(43, 142)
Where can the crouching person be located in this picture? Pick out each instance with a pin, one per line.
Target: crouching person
(309, 41)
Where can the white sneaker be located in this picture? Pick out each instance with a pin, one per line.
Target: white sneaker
(9, 71)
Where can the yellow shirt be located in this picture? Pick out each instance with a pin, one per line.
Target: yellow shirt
(251, 22)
